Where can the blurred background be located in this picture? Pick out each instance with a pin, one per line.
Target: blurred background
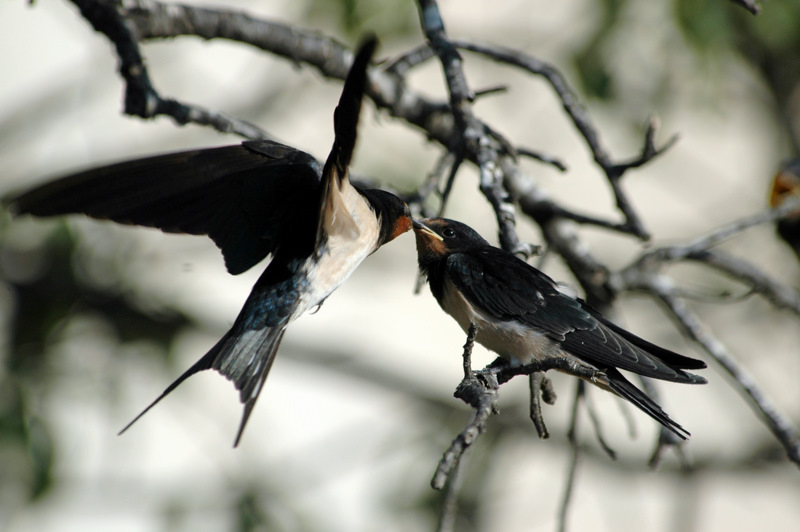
(96, 320)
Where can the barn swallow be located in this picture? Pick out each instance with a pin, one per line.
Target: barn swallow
(785, 186)
(255, 199)
(524, 316)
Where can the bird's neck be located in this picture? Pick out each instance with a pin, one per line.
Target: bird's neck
(384, 209)
(434, 270)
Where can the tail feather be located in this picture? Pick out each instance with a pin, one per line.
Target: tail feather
(625, 389)
(244, 359)
(202, 364)
(246, 362)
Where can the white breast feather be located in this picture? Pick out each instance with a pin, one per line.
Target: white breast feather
(352, 235)
(511, 340)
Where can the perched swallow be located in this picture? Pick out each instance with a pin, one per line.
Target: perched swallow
(785, 186)
(255, 199)
(523, 315)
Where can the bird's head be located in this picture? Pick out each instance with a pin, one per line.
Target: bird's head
(786, 184)
(393, 213)
(439, 237)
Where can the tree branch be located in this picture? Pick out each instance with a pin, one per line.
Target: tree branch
(750, 5)
(780, 426)
(583, 123)
(480, 390)
(472, 134)
(572, 437)
(141, 98)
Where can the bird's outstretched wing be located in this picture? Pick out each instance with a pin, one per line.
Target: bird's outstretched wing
(335, 175)
(510, 289)
(244, 197)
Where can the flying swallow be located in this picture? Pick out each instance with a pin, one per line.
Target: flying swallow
(785, 186)
(254, 199)
(524, 316)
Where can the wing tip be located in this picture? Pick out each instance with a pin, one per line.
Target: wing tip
(684, 377)
(26, 203)
(345, 117)
(11, 205)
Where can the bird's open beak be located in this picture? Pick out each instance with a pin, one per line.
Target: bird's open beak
(423, 230)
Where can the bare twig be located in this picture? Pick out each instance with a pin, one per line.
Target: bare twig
(572, 436)
(471, 134)
(535, 383)
(779, 294)
(414, 57)
(467, 355)
(141, 97)
(598, 426)
(750, 5)
(699, 250)
(449, 511)
(777, 423)
(662, 286)
(489, 91)
(583, 123)
(649, 150)
(506, 372)
(480, 392)
(726, 231)
(458, 158)
(552, 161)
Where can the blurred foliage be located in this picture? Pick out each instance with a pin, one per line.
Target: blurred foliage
(593, 70)
(716, 31)
(353, 18)
(45, 294)
(26, 456)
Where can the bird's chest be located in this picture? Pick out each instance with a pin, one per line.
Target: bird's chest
(348, 242)
(510, 339)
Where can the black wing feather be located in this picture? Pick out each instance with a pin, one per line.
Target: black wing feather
(508, 288)
(345, 126)
(234, 194)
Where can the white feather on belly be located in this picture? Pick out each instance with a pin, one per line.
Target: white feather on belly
(352, 235)
(511, 340)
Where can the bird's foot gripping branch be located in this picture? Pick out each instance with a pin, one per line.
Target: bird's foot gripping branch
(480, 390)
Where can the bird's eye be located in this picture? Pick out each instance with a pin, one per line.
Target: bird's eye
(448, 233)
